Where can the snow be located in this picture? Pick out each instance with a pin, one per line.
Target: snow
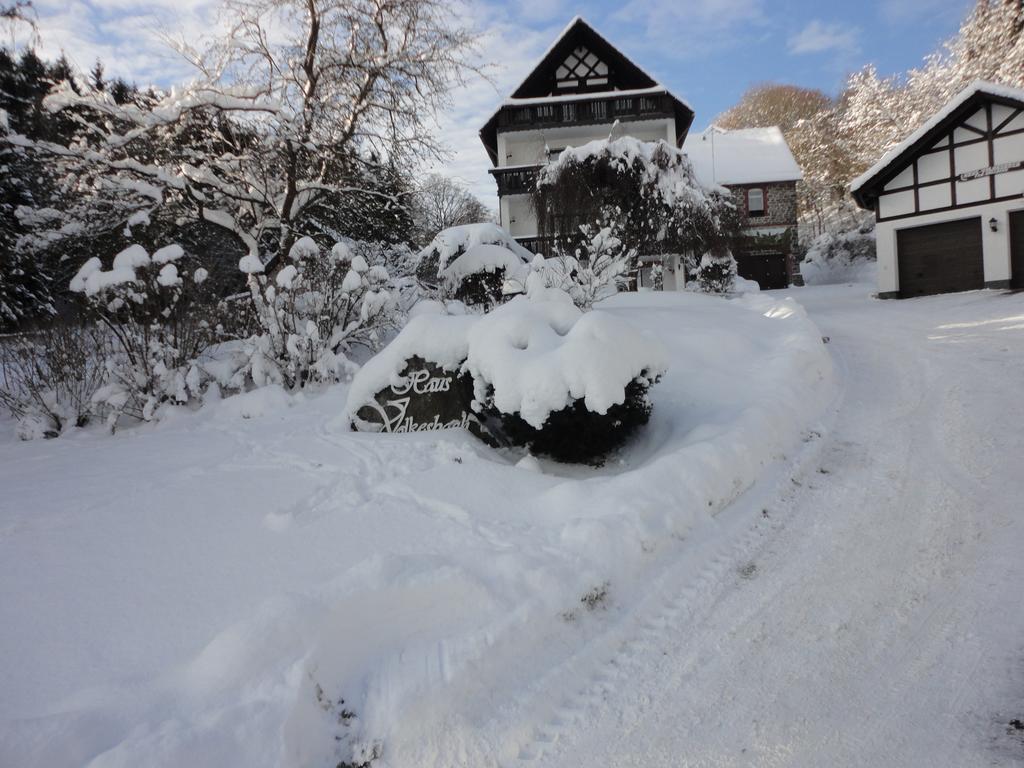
(250, 264)
(168, 254)
(203, 591)
(168, 276)
(978, 86)
(484, 257)
(131, 258)
(743, 156)
(451, 242)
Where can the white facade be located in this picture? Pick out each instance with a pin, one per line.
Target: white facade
(534, 147)
(995, 245)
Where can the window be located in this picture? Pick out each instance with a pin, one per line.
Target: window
(581, 68)
(755, 202)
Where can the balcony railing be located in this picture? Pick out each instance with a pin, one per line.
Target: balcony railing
(520, 180)
(588, 112)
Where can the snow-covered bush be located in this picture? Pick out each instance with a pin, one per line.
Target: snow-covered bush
(449, 244)
(314, 311)
(48, 379)
(159, 317)
(598, 268)
(545, 375)
(836, 256)
(564, 383)
(716, 272)
(478, 276)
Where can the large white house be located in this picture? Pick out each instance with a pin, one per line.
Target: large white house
(584, 89)
(949, 200)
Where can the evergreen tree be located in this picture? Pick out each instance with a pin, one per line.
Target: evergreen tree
(96, 76)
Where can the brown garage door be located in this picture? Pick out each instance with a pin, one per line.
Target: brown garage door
(768, 270)
(940, 258)
(1017, 249)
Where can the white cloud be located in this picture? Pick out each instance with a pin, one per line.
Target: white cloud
(819, 37)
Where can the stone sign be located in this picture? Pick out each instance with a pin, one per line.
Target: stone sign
(428, 398)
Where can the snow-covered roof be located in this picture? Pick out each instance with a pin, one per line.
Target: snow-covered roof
(743, 156)
(977, 87)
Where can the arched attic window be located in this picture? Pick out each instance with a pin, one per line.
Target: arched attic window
(581, 68)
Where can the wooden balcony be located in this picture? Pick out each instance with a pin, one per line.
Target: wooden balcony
(517, 180)
(596, 111)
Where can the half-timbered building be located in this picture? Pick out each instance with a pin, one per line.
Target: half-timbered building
(949, 200)
(581, 87)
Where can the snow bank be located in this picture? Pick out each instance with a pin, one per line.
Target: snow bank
(223, 588)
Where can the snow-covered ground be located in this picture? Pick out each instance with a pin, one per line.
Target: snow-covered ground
(207, 591)
(789, 567)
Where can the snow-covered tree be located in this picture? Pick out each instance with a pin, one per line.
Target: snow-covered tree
(285, 104)
(657, 203)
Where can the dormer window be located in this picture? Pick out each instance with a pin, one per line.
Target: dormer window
(755, 201)
(581, 68)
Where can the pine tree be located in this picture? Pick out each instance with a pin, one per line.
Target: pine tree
(96, 76)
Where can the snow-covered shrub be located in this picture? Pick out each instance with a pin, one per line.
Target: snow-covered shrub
(545, 375)
(159, 316)
(716, 272)
(842, 255)
(598, 268)
(564, 383)
(48, 379)
(478, 276)
(449, 244)
(314, 311)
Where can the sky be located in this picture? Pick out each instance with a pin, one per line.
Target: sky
(706, 51)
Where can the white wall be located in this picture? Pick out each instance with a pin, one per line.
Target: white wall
(995, 245)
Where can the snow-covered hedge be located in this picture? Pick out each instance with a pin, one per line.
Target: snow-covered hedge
(565, 383)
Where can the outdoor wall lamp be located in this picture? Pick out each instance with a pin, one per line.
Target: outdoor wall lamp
(993, 224)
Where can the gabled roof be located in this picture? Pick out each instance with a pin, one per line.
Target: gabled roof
(866, 187)
(743, 156)
(622, 75)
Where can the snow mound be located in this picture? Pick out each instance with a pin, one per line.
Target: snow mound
(538, 356)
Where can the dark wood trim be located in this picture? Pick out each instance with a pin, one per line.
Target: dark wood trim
(952, 171)
(991, 150)
(963, 207)
(997, 285)
(1007, 121)
(971, 128)
(917, 188)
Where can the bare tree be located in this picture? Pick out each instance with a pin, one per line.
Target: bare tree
(287, 104)
(441, 202)
(768, 104)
